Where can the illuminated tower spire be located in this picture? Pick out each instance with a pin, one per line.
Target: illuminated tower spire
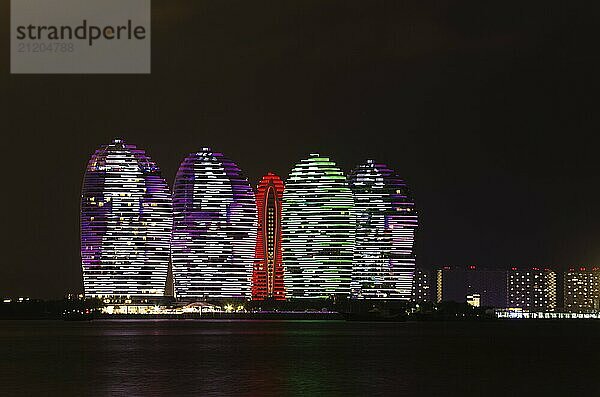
(267, 279)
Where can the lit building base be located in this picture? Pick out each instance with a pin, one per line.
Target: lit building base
(523, 314)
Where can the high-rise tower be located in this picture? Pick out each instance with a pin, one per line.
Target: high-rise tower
(214, 228)
(582, 290)
(532, 289)
(386, 224)
(267, 279)
(318, 230)
(126, 221)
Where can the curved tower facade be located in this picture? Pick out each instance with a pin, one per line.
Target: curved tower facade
(318, 230)
(267, 278)
(126, 220)
(386, 224)
(214, 228)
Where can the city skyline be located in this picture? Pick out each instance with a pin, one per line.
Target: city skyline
(303, 197)
(490, 122)
(248, 288)
(324, 235)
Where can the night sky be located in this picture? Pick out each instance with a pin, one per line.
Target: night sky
(488, 111)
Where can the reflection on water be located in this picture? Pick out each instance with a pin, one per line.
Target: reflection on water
(262, 358)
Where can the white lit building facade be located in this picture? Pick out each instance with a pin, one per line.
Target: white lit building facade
(423, 286)
(126, 220)
(582, 290)
(214, 228)
(386, 225)
(533, 289)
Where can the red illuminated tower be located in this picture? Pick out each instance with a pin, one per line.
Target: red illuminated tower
(267, 278)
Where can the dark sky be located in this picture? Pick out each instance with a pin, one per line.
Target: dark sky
(489, 111)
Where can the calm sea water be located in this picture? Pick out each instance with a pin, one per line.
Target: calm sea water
(288, 358)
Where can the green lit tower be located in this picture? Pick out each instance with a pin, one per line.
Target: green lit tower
(318, 230)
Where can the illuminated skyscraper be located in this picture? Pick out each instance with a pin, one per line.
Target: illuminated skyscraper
(532, 289)
(423, 286)
(386, 224)
(582, 290)
(214, 228)
(267, 279)
(318, 230)
(126, 221)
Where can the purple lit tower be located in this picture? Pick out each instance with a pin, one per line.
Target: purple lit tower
(126, 221)
(386, 224)
(214, 228)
